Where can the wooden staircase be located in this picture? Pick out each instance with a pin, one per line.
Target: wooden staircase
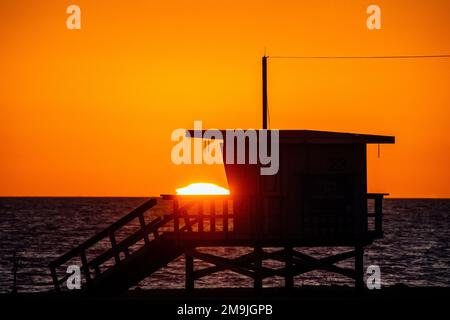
(147, 260)
(157, 249)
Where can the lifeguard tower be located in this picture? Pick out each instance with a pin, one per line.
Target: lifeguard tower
(318, 198)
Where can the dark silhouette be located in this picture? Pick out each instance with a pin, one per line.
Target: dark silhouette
(318, 198)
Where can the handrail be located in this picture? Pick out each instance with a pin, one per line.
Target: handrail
(129, 241)
(146, 229)
(116, 246)
(180, 213)
(378, 212)
(104, 233)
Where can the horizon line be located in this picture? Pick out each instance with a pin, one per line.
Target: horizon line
(159, 196)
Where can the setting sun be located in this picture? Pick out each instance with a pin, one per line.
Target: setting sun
(202, 188)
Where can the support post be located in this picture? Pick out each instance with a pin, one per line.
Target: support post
(379, 215)
(85, 266)
(97, 270)
(225, 216)
(116, 252)
(189, 264)
(257, 281)
(55, 279)
(212, 213)
(176, 222)
(200, 216)
(143, 229)
(359, 267)
(289, 278)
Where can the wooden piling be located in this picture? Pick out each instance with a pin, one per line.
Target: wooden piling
(189, 277)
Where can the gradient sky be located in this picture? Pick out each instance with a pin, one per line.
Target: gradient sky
(89, 112)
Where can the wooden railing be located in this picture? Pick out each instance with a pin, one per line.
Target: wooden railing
(115, 247)
(211, 213)
(377, 214)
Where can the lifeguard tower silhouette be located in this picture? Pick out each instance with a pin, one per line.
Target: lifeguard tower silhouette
(318, 198)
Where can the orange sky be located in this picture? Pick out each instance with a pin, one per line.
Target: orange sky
(89, 112)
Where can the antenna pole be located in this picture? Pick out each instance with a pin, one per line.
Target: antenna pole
(264, 90)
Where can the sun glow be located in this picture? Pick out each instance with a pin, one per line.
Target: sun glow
(202, 188)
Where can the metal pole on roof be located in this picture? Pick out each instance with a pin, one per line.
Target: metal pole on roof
(264, 91)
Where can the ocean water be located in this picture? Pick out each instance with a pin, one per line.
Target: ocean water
(415, 249)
